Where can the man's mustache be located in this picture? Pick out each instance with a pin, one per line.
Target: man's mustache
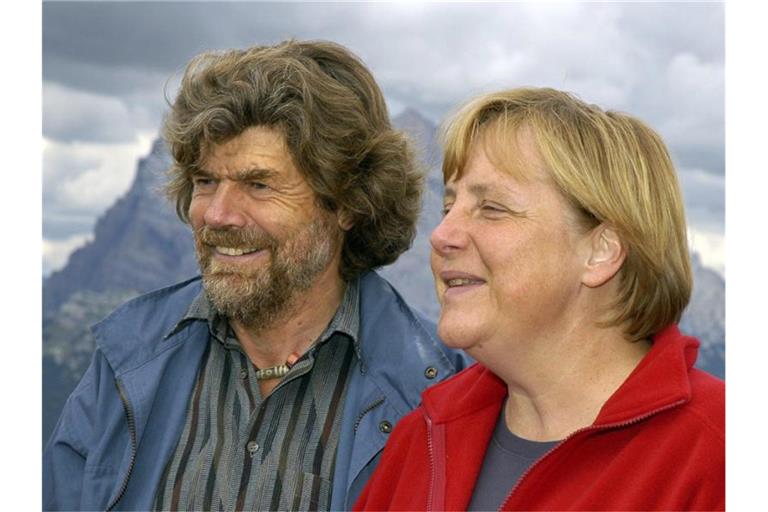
(239, 238)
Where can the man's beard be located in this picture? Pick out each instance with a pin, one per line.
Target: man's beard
(258, 296)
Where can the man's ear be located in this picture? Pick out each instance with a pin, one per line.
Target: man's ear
(345, 220)
(606, 256)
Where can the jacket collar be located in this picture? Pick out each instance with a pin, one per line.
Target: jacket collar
(472, 390)
(346, 320)
(659, 381)
(130, 335)
(145, 326)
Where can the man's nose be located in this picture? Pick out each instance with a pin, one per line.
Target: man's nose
(226, 207)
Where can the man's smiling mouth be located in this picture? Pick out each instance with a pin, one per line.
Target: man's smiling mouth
(233, 251)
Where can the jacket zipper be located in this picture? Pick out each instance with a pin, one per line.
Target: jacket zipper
(132, 434)
(436, 446)
(432, 467)
(365, 411)
(620, 424)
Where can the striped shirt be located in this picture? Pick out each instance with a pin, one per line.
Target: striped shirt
(239, 451)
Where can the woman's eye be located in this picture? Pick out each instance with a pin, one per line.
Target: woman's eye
(446, 209)
(493, 210)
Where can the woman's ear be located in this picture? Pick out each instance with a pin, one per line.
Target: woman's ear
(606, 256)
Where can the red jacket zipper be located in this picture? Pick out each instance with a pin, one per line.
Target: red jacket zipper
(436, 446)
(432, 466)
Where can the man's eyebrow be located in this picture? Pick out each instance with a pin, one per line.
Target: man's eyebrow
(255, 173)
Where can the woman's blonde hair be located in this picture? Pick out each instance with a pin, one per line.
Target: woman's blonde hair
(613, 169)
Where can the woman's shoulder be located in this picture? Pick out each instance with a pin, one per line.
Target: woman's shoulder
(707, 402)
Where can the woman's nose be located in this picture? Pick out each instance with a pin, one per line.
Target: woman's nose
(451, 234)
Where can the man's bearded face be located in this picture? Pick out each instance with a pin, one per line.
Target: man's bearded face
(273, 272)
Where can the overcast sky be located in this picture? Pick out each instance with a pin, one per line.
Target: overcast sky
(108, 66)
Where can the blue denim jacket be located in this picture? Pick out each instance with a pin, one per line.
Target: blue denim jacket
(122, 422)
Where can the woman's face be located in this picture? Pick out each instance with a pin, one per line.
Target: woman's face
(508, 256)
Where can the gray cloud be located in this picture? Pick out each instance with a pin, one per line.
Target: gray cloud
(80, 180)
(668, 26)
(159, 37)
(73, 115)
(704, 195)
(663, 62)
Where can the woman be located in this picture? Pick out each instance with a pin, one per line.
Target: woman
(561, 266)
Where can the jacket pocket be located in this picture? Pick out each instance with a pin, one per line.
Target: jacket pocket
(99, 484)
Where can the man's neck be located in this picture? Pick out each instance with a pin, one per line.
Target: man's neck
(297, 327)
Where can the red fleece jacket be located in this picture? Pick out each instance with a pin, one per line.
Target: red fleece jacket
(658, 443)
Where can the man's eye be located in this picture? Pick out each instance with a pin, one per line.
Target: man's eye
(258, 185)
(202, 182)
(446, 209)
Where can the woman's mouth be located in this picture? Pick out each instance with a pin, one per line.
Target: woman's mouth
(460, 282)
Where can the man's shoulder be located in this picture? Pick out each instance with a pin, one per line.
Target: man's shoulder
(385, 313)
(381, 300)
(173, 298)
(148, 317)
(400, 343)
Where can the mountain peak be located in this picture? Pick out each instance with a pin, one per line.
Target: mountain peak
(412, 115)
(159, 148)
(138, 243)
(414, 122)
(422, 131)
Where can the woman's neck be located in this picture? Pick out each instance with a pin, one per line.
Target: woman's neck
(559, 386)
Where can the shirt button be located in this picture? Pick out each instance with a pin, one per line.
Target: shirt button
(243, 373)
(430, 372)
(385, 427)
(252, 447)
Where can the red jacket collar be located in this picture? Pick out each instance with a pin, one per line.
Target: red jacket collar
(473, 389)
(659, 381)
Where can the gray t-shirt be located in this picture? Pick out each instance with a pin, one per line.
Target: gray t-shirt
(506, 459)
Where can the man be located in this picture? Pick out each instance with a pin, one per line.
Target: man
(273, 381)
